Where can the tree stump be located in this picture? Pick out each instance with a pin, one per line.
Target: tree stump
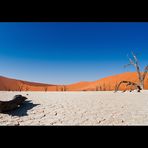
(12, 104)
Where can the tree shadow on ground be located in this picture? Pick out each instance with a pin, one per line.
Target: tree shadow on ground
(22, 110)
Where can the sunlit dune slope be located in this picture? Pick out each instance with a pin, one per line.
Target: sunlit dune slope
(107, 83)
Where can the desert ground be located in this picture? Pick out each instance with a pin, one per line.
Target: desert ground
(78, 108)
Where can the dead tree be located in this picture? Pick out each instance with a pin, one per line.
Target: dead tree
(61, 88)
(128, 83)
(116, 85)
(45, 88)
(97, 88)
(104, 89)
(64, 88)
(27, 88)
(56, 88)
(20, 87)
(100, 88)
(135, 63)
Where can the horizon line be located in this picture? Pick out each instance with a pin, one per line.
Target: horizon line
(62, 84)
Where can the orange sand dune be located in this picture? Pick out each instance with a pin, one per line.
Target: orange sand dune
(107, 83)
(17, 85)
(78, 86)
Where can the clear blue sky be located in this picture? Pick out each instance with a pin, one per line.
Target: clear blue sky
(63, 53)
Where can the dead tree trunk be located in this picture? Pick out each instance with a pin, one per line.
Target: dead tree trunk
(46, 88)
(129, 83)
(12, 104)
(104, 89)
(144, 75)
(20, 86)
(116, 86)
(100, 88)
(97, 88)
(27, 88)
(141, 76)
(61, 88)
(64, 88)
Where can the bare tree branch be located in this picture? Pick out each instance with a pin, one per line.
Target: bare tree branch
(137, 67)
(128, 83)
(20, 86)
(126, 65)
(135, 63)
(131, 62)
(145, 72)
(134, 56)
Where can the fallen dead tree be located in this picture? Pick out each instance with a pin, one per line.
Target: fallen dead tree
(128, 83)
(12, 104)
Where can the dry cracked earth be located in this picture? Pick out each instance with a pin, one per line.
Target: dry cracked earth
(78, 108)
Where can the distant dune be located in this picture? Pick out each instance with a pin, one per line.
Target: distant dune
(78, 86)
(108, 83)
(17, 85)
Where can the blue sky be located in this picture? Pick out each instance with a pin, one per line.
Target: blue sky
(64, 53)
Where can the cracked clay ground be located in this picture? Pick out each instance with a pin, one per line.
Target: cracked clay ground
(78, 108)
